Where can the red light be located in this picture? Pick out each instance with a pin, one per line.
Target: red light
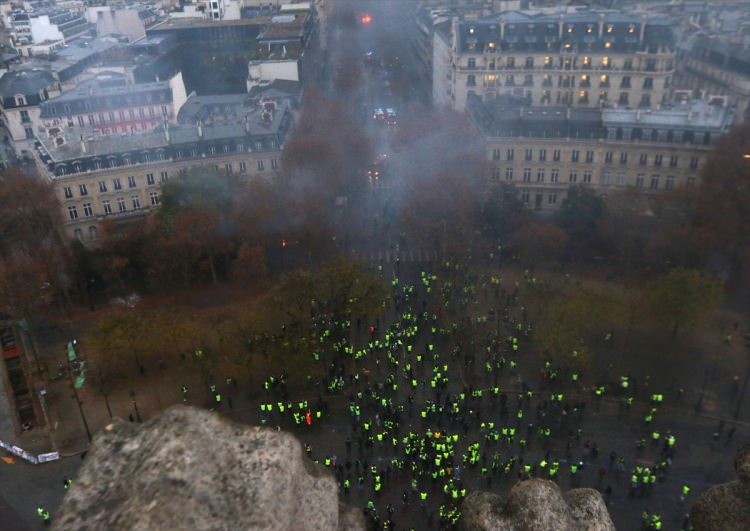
(283, 243)
(372, 329)
(308, 418)
(365, 19)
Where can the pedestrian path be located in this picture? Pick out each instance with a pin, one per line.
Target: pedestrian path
(408, 256)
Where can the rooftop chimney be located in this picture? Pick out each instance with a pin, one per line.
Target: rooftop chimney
(83, 145)
(200, 130)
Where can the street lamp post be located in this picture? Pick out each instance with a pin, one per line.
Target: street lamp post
(135, 406)
(80, 409)
(42, 390)
(744, 382)
(70, 358)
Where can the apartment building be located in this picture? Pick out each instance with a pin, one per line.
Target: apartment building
(579, 58)
(119, 176)
(41, 32)
(543, 151)
(21, 94)
(718, 65)
(224, 108)
(109, 103)
(282, 47)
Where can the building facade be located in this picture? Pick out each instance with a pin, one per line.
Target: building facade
(22, 93)
(109, 103)
(41, 32)
(543, 151)
(718, 66)
(578, 58)
(119, 176)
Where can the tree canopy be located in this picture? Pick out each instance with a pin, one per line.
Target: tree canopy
(682, 297)
(722, 216)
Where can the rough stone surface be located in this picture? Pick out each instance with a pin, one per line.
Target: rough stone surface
(536, 504)
(192, 469)
(588, 510)
(726, 507)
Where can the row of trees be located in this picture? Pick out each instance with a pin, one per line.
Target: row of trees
(35, 261)
(702, 227)
(574, 318)
(214, 227)
(258, 335)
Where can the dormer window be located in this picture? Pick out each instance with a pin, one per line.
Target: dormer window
(610, 28)
(589, 28)
(631, 28)
(20, 100)
(570, 28)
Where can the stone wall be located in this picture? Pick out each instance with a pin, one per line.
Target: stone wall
(190, 468)
(193, 469)
(536, 504)
(726, 507)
